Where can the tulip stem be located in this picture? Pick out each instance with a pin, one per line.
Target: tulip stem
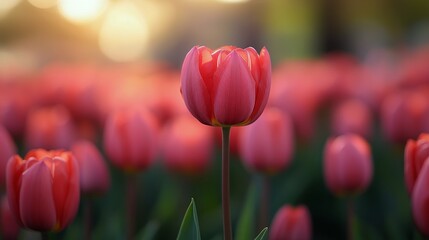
(131, 205)
(350, 217)
(227, 230)
(265, 199)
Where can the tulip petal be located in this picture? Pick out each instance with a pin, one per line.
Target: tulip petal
(410, 173)
(14, 169)
(35, 201)
(193, 88)
(420, 200)
(235, 94)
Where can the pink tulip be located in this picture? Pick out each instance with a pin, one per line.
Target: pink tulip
(94, 175)
(49, 128)
(43, 189)
(420, 200)
(9, 228)
(187, 146)
(226, 87)
(415, 155)
(347, 164)
(352, 116)
(130, 139)
(7, 150)
(291, 223)
(267, 145)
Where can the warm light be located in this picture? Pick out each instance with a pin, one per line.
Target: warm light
(7, 5)
(81, 10)
(43, 3)
(124, 33)
(233, 1)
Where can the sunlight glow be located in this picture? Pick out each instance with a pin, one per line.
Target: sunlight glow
(43, 3)
(81, 10)
(7, 5)
(124, 33)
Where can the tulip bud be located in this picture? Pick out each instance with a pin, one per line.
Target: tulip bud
(187, 147)
(226, 87)
(130, 139)
(94, 175)
(267, 145)
(7, 150)
(291, 223)
(43, 189)
(416, 153)
(9, 228)
(347, 164)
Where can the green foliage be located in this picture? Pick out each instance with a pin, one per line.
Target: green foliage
(190, 228)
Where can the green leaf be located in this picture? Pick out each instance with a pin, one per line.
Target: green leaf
(190, 228)
(261, 235)
(149, 231)
(246, 223)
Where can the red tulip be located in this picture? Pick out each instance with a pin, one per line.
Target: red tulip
(187, 146)
(416, 153)
(347, 164)
(94, 175)
(420, 200)
(267, 145)
(226, 87)
(50, 128)
(291, 223)
(7, 150)
(9, 228)
(130, 139)
(43, 189)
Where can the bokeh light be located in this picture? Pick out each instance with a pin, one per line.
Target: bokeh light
(7, 5)
(124, 33)
(81, 10)
(43, 3)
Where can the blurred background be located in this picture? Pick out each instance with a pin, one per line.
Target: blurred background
(83, 59)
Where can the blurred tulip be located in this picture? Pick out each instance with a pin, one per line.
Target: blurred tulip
(94, 175)
(49, 128)
(267, 145)
(7, 150)
(14, 107)
(43, 189)
(416, 153)
(226, 87)
(291, 223)
(187, 146)
(352, 116)
(130, 139)
(9, 228)
(347, 164)
(420, 199)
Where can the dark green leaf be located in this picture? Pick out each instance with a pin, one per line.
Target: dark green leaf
(190, 228)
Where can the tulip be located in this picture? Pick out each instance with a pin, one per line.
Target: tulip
(187, 147)
(130, 139)
(9, 228)
(416, 153)
(291, 223)
(420, 200)
(94, 175)
(226, 87)
(7, 150)
(347, 164)
(267, 145)
(43, 189)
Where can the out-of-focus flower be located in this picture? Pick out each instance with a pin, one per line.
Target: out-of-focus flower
(9, 228)
(187, 146)
(94, 175)
(267, 145)
(291, 223)
(347, 164)
(416, 153)
(130, 139)
(352, 116)
(43, 189)
(49, 128)
(226, 87)
(7, 150)
(15, 103)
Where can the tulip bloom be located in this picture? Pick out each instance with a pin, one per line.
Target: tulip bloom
(291, 223)
(267, 145)
(226, 87)
(130, 139)
(9, 228)
(94, 175)
(416, 153)
(187, 147)
(43, 189)
(347, 164)
(7, 150)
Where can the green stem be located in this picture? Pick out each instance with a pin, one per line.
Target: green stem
(131, 205)
(227, 230)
